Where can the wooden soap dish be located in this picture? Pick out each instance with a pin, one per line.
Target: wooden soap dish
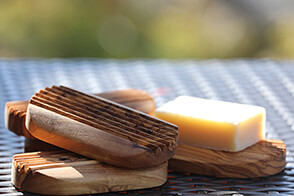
(15, 111)
(265, 158)
(15, 114)
(66, 173)
(99, 128)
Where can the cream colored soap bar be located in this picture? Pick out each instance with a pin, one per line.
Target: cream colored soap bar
(214, 124)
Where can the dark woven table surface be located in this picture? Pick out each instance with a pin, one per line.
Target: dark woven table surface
(260, 82)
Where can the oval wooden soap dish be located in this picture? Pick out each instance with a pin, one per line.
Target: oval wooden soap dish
(99, 128)
(66, 173)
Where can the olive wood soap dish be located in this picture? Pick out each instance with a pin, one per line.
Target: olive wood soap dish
(100, 129)
(15, 114)
(267, 157)
(67, 173)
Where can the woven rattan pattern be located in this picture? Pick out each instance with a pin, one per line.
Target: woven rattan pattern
(261, 82)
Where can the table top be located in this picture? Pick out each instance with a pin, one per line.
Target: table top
(259, 82)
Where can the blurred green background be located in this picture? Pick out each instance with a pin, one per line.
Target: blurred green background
(147, 28)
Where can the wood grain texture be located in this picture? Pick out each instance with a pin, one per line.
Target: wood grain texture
(15, 111)
(265, 158)
(67, 173)
(100, 129)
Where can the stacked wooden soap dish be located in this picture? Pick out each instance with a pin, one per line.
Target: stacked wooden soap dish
(82, 144)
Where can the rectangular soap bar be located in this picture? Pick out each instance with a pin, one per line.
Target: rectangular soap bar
(214, 124)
